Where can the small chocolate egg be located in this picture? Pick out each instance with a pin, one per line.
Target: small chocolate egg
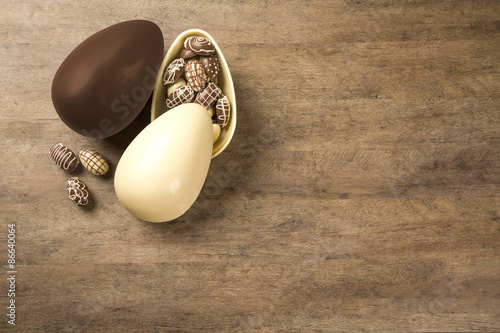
(199, 45)
(223, 110)
(195, 75)
(174, 71)
(208, 96)
(94, 162)
(63, 157)
(211, 66)
(187, 53)
(181, 95)
(78, 192)
(104, 83)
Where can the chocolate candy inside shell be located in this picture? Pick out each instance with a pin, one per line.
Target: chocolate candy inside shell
(199, 45)
(211, 66)
(195, 75)
(181, 95)
(208, 96)
(187, 53)
(223, 111)
(174, 71)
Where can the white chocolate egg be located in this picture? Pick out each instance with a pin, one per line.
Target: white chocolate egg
(216, 131)
(225, 83)
(175, 85)
(162, 171)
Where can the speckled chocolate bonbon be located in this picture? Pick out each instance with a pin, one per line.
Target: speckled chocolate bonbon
(211, 66)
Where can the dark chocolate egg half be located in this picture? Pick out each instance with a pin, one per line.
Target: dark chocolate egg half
(105, 81)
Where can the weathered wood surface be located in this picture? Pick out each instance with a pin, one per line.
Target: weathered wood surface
(360, 192)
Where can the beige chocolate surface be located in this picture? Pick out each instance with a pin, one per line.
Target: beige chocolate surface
(360, 191)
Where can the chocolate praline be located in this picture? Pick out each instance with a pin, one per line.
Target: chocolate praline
(199, 45)
(78, 192)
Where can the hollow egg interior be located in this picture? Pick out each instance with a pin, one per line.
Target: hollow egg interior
(225, 82)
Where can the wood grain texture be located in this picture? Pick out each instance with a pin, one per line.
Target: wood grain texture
(360, 191)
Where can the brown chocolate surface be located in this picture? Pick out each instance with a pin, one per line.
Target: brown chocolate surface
(63, 157)
(106, 81)
(211, 66)
(78, 192)
(181, 95)
(199, 45)
(174, 71)
(187, 53)
(208, 96)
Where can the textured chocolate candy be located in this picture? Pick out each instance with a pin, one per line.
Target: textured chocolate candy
(223, 111)
(94, 162)
(78, 192)
(187, 53)
(175, 85)
(209, 96)
(174, 71)
(211, 66)
(106, 81)
(63, 157)
(181, 95)
(195, 75)
(199, 45)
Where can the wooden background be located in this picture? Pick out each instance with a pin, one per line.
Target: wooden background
(360, 191)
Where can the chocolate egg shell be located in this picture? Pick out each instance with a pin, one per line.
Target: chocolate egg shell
(94, 162)
(78, 192)
(63, 157)
(162, 171)
(104, 83)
